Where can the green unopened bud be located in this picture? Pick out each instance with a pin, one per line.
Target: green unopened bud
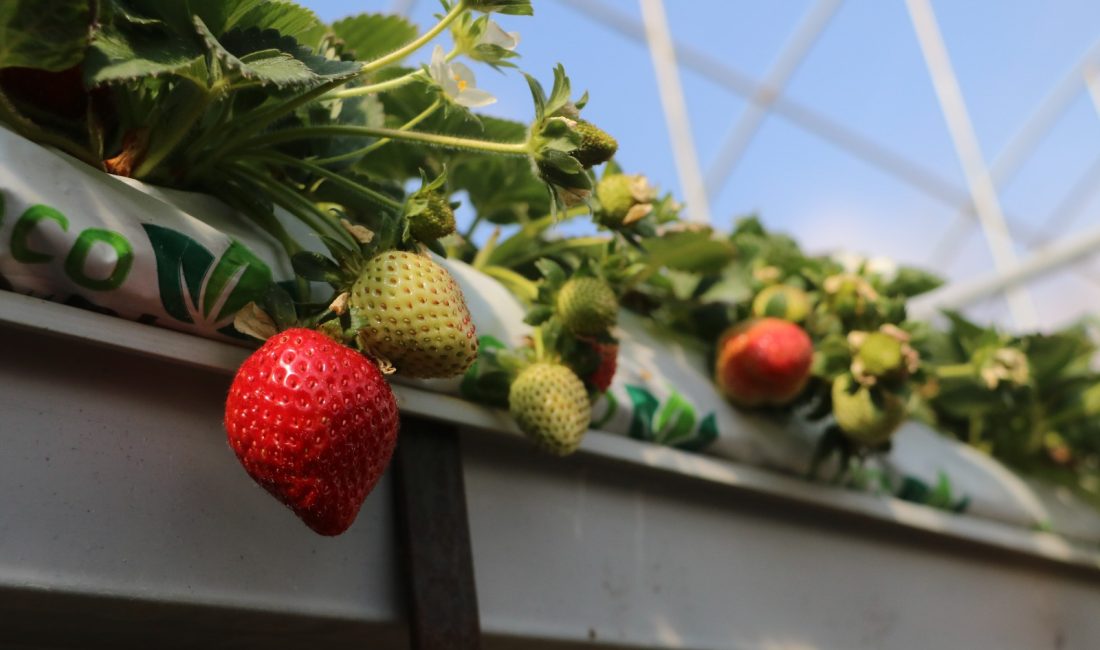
(624, 199)
(1003, 365)
(432, 218)
(597, 146)
(882, 355)
(782, 301)
(848, 294)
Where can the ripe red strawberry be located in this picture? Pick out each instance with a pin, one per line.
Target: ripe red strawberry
(314, 423)
(763, 362)
(601, 377)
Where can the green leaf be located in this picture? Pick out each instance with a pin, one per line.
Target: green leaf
(286, 17)
(538, 315)
(371, 36)
(270, 58)
(551, 271)
(513, 7)
(43, 34)
(911, 282)
(689, 251)
(278, 303)
(501, 188)
(124, 54)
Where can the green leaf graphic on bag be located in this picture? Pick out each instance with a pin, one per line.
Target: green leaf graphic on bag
(675, 420)
(672, 424)
(704, 435)
(196, 287)
(645, 406)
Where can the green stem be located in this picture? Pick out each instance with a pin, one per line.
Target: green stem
(434, 139)
(195, 149)
(359, 153)
(955, 371)
(416, 44)
(303, 209)
(374, 195)
(379, 87)
(540, 344)
(266, 221)
(263, 119)
(481, 259)
(28, 129)
(176, 130)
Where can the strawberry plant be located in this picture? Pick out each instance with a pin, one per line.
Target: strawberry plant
(260, 104)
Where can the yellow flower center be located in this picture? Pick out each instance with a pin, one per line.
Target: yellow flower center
(460, 81)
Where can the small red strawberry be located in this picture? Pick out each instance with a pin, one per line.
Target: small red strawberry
(600, 378)
(763, 362)
(314, 423)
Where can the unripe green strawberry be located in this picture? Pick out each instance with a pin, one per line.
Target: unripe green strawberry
(415, 315)
(624, 199)
(763, 362)
(867, 415)
(781, 301)
(434, 220)
(597, 146)
(587, 306)
(549, 403)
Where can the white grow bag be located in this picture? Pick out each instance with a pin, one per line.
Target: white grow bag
(72, 234)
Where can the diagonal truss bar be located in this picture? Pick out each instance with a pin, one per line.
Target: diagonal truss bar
(663, 53)
(790, 57)
(1046, 260)
(914, 174)
(1020, 147)
(986, 202)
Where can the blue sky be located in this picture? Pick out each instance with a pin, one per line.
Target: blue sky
(865, 72)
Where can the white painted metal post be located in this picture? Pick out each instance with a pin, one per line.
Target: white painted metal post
(662, 52)
(984, 194)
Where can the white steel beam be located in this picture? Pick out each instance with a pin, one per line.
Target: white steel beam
(982, 190)
(790, 57)
(1021, 145)
(663, 53)
(1045, 260)
(925, 179)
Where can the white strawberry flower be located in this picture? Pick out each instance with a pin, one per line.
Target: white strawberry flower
(853, 263)
(457, 81)
(884, 267)
(493, 34)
